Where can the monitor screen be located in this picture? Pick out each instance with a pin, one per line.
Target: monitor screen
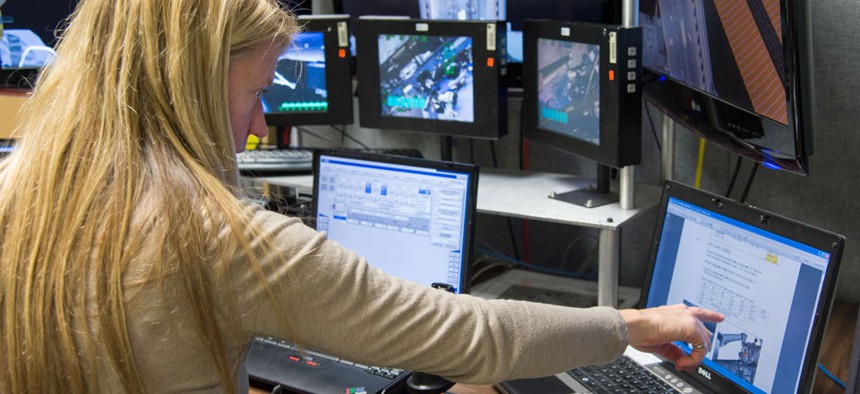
(738, 73)
(426, 77)
(299, 84)
(569, 88)
(313, 81)
(27, 38)
(412, 218)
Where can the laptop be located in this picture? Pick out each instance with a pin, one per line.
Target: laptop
(410, 217)
(773, 278)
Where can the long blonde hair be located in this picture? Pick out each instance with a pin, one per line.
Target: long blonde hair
(131, 116)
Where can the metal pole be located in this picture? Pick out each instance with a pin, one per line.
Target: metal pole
(626, 175)
(608, 261)
(668, 148)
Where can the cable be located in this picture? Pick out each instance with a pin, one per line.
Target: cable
(831, 376)
(734, 177)
(653, 129)
(508, 219)
(570, 246)
(304, 130)
(700, 162)
(536, 268)
(749, 182)
(344, 134)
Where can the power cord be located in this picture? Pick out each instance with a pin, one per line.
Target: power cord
(831, 376)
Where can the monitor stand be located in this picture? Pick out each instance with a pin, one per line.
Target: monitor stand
(591, 196)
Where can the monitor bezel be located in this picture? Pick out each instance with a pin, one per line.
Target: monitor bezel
(620, 113)
(337, 73)
(489, 65)
(472, 192)
(730, 126)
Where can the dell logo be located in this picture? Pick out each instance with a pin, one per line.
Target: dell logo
(705, 373)
(695, 106)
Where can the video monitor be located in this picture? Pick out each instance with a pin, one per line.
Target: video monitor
(27, 38)
(435, 76)
(313, 82)
(738, 74)
(581, 89)
(581, 94)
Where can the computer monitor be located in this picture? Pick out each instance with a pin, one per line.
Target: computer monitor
(29, 34)
(740, 74)
(412, 218)
(440, 77)
(581, 94)
(515, 12)
(359, 8)
(313, 82)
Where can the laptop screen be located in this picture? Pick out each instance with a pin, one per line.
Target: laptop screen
(771, 277)
(410, 217)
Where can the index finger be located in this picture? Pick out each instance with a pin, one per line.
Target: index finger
(706, 314)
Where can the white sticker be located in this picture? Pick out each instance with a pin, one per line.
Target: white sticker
(422, 27)
(612, 47)
(342, 35)
(491, 36)
(565, 32)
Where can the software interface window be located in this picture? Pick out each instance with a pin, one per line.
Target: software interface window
(426, 77)
(762, 282)
(418, 212)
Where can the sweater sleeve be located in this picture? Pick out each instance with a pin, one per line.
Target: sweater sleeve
(333, 300)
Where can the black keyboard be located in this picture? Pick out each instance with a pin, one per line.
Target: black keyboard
(621, 376)
(271, 362)
(263, 162)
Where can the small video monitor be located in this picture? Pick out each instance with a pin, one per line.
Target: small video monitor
(28, 36)
(435, 76)
(581, 89)
(313, 82)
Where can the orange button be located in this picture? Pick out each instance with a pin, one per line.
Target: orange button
(611, 75)
(341, 53)
(490, 62)
(293, 358)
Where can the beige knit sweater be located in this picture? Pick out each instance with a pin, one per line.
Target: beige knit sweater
(337, 303)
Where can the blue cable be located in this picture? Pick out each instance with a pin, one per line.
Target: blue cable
(831, 376)
(518, 263)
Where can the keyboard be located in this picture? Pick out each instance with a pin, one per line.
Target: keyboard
(275, 160)
(287, 161)
(620, 376)
(271, 362)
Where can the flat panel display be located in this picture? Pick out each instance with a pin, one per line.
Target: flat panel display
(313, 81)
(738, 73)
(443, 77)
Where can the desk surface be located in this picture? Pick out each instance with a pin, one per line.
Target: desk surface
(525, 195)
(835, 354)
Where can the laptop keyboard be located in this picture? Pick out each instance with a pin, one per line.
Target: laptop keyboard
(621, 376)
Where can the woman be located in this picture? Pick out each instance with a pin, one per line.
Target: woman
(129, 264)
